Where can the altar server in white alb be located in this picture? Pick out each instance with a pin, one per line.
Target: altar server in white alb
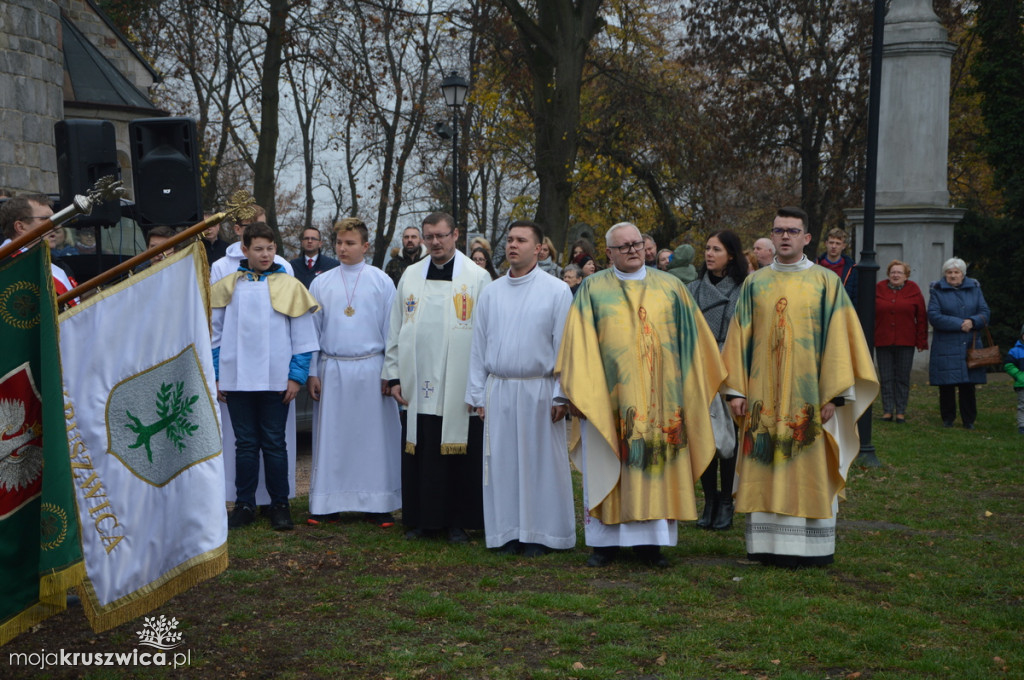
(528, 502)
(356, 456)
(263, 337)
(426, 363)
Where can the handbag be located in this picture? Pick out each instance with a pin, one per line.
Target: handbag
(978, 357)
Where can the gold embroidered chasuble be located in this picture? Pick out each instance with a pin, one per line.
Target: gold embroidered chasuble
(794, 344)
(639, 361)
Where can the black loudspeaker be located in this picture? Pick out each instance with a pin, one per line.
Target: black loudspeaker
(87, 151)
(165, 169)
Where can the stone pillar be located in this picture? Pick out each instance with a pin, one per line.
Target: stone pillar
(31, 96)
(913, 219)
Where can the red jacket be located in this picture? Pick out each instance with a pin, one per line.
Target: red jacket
(900, 316)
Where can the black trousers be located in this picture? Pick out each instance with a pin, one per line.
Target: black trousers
(968, 404)
(443, 491)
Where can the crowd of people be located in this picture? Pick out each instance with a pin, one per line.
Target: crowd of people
(453, 393)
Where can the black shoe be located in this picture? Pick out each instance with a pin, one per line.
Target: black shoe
(414, 534)
(710, 505)
(723, 514)
(650, 555)
(602, 557)
(457, 535)
(242, 515)
(535, 550)
(947, 423)
(511, 548)
(382, 519)
(968, 426)
(281, 517)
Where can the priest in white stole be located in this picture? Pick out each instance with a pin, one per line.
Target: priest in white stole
(356, 431)
(640, 368)
(426, 363)
(528, 502)
(800, 375)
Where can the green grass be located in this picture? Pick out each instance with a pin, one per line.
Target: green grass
(928, 583)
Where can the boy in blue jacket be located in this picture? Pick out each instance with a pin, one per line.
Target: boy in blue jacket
(1015, 367)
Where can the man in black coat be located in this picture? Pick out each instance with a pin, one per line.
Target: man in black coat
(311, 263)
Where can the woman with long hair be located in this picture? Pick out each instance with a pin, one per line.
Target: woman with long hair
(548, 259)
(481, 257)
(716, 291)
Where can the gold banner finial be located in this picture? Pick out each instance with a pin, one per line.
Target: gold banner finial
(241, 206)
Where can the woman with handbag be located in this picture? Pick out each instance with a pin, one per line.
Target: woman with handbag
(901, 324)
(956, 311)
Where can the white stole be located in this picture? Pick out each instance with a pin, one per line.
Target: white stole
(467, 282)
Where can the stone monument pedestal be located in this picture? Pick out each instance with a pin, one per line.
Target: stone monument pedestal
(921, 236)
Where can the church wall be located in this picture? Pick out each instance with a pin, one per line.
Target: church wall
(31, 95)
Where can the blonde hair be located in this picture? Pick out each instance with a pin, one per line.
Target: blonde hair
(352, 224)
(551, 249)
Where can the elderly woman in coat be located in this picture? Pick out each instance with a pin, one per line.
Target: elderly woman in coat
(901, 325)
(956, 309)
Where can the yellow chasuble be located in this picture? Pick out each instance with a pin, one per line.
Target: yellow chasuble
(794, 344)
(638, 359)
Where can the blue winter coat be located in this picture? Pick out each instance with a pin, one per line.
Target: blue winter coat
(947, 309)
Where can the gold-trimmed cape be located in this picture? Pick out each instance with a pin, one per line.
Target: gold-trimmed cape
(794, 344)
(287, 294)
(641, 364)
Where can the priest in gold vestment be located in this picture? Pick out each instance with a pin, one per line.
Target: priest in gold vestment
(639, 368)
(800, 375)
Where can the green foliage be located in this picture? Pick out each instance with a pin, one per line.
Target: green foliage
(999, 71)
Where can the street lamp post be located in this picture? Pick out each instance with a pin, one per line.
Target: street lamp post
(454, 88)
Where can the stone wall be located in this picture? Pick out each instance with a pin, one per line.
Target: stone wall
(31, 95)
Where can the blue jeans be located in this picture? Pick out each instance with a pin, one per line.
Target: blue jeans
(259, 419)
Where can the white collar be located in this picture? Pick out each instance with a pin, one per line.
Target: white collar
(638, 275)
(798, 266)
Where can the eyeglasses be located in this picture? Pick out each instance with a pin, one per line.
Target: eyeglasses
(791, 231)
(637, 246)
(430, 238)
(34, 217)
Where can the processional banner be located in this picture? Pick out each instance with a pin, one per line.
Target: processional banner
(40, 551)
(144, 438)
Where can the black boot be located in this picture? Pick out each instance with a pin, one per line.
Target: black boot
(710, 510)
(723, 513)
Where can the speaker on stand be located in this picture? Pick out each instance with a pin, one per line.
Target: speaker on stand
(87, 151)
(165, 170)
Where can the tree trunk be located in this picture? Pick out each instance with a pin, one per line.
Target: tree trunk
(556, 46)
(265, 180)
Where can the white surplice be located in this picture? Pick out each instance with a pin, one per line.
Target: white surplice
(356, 431)
(527, 482)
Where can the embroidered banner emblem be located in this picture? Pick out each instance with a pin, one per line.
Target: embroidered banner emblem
(21, 440)
(410, 307)
(463, 307)
(162, 421)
